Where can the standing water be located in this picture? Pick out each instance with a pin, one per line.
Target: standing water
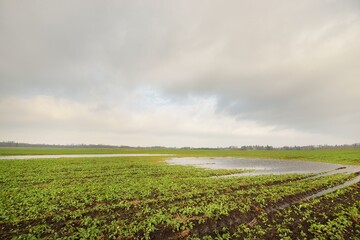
(271, 166)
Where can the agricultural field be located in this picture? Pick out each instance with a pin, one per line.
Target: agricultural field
(340, 156)
(145, 198)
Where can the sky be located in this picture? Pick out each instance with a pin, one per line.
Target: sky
(205, 73)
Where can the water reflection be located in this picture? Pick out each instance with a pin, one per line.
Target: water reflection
(265, 166)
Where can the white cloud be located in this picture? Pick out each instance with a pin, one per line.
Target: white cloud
(205, 72)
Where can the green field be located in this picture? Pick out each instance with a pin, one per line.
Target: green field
(340, 156)
(144, 198)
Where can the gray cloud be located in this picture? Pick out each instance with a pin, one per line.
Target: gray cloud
(276, 63)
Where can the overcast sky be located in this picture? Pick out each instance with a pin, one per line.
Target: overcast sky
(180, 73)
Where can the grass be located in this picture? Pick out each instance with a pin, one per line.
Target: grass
(339, 156)
(143, 198)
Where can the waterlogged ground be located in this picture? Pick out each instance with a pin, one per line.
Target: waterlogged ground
(145, 198)
(258, 166)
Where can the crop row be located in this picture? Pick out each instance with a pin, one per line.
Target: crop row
(332, 216)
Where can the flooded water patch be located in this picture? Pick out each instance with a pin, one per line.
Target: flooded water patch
(270, 166)
(265, 166)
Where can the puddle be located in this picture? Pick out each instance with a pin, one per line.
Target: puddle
(333, 189)
(265, 166)
(22, 157)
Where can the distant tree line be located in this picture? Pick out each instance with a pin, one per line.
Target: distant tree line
(308, 147)
(17, 144)
(249, 147)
